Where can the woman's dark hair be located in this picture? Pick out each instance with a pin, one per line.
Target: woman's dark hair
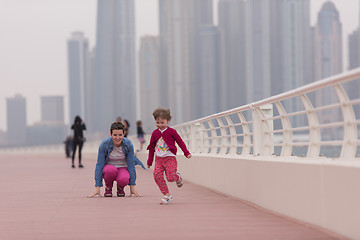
(77, 120)
(117, 126)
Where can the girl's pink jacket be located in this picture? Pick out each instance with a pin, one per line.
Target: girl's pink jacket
(170, 136)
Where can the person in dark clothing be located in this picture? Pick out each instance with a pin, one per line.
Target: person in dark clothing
(68, 146)
(126, 125)
(140, 133)
(78, 139)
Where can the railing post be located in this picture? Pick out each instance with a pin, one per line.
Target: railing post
(263, 138)
(196, 136)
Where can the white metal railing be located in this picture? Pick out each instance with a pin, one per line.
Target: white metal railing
(318, 119)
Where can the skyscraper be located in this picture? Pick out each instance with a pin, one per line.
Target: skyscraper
(258, 56)
(16, 120)
(115, 63)
(208, 100)
(291, 63)
(294, 34)
(354, 46)
(354, 49)
(150, 87)
(232, 28)
(277, 49)
(328, 42)
(203, 53)
(78, 70)
(180, 25)
(328, 55)
(51, 129)
(52, 109)
(90, 95)
(353, 88)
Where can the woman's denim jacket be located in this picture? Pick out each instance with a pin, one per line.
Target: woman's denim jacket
(105, 149)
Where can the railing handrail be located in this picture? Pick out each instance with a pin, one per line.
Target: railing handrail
(339, 78)
(203, 136)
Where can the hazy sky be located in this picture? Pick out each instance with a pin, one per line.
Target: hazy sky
(33, 50)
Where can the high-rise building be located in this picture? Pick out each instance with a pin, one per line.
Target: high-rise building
(52, 109)
(78, 71)
(180, 26)
(258, 56)
(328, 55)
(203, 48)
(208, 100)
(328, 42)
(90, 96)
(290, 50)
(296, 40)
(150, 88)
(278, 14)
(353, 88)
(3, 138)
(51, 129)
(232, 28)
(265, 49)
(16, 120)
(354, 49)
(115, 63)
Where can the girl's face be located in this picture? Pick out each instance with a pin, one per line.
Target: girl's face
(161, 123)
(117, 136)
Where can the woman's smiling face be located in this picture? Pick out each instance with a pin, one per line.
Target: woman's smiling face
(117, 136)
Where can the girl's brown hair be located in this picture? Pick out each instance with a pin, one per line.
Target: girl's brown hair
(163, 113)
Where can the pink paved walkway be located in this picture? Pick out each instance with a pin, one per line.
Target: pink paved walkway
(43, 198)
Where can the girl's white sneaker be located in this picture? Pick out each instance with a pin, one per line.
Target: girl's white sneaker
(166, 199)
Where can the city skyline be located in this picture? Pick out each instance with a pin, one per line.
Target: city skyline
(36, 80)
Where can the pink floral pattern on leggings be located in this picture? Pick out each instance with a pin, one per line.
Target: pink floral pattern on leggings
(169, 166)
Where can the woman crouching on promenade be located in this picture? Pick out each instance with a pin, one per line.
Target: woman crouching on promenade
(116, 162)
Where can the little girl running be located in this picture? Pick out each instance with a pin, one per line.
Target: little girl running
(162, 144)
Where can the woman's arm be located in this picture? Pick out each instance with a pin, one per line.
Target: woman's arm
(138, 162)
(98, 170)
(100, 165)
(96, 192)
(130, 159)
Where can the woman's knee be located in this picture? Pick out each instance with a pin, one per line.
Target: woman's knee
(110, 170)
(122, 181)
(123, 177)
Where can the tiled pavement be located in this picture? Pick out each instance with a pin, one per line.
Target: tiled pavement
(43, 198)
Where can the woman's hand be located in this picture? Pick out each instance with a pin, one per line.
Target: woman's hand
(97, 192)
(133, 191)
(148, 166)
(189, 156)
